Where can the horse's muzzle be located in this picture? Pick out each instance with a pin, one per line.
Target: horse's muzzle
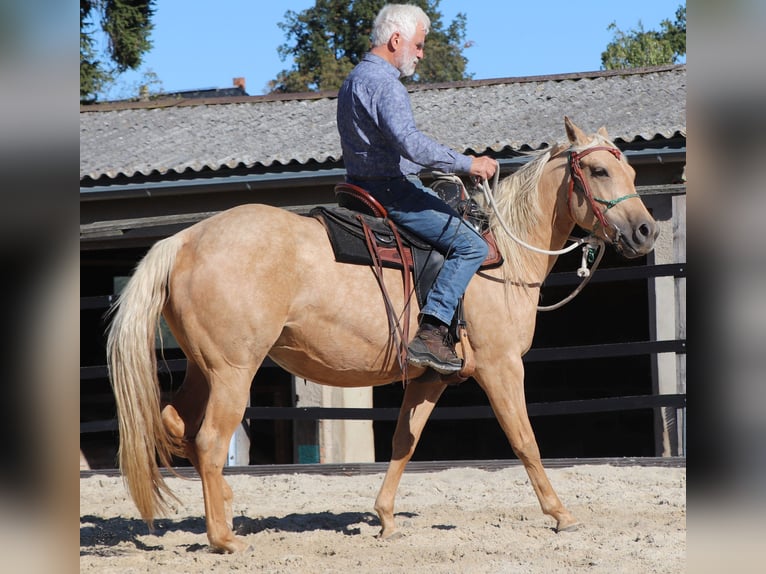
(638, 240)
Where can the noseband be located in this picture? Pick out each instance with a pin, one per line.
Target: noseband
(577, 177)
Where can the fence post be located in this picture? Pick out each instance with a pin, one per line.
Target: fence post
(239, 447)
(306, 432)
(665, 303)
(333, 441)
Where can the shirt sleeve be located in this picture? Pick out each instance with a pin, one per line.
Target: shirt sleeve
(397, 122)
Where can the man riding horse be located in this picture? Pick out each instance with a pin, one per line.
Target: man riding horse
(383, 152)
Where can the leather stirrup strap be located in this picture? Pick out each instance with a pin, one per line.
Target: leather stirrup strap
(407, 283)
(393, 323)
(469, 363)
(464, 350)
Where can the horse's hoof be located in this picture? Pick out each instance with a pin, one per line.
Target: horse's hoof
(570, 527)
(235, 546)
(395, 535)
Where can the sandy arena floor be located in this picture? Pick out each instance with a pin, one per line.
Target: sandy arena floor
(460, 520)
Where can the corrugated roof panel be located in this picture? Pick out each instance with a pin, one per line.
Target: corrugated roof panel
(500, 114)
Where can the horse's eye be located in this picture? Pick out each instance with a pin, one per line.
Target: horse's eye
(599, 172)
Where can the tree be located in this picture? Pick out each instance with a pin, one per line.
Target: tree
(328, 40)
(127, 25)
(639, 48)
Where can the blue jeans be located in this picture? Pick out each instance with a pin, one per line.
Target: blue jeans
(417, 208)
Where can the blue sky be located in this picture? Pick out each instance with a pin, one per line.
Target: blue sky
(204, 44)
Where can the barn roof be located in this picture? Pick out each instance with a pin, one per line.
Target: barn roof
(177, 136)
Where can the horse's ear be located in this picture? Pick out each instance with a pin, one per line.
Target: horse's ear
(602, 133)
(575, 134)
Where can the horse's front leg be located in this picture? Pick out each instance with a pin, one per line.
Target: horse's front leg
(418, 403)
(506, 395)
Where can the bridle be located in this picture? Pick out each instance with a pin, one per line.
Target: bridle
(577, 179)
(590, 243)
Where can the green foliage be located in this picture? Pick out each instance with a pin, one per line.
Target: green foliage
(93, 76)
(675, 33)
(127, 25)
(640, 48)
(325, 43)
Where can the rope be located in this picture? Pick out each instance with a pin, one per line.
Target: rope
(587, 243)
(610, 203)
(581, 272)
(489, 194)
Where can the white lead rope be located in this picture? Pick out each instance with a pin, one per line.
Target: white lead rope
(489, 194)
(588, 244)
(584, 273)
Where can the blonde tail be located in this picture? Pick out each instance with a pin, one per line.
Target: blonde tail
(132, 367)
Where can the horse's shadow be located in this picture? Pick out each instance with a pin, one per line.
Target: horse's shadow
(98, 534)
(348, 523)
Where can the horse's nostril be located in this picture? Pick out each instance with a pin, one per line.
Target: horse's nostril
(646, 233)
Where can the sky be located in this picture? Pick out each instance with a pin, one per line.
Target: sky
(202, 44)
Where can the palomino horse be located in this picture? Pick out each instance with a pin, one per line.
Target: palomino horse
(257, 281)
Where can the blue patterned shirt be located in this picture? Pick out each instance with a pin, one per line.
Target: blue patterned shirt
(377, 128)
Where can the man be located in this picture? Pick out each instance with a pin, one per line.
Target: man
(383, 152)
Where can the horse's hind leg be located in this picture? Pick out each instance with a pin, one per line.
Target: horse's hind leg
(229, 391)
(182, 419)
(183, 416)
(418, 403)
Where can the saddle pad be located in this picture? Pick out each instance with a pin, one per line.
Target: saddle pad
(344, 230)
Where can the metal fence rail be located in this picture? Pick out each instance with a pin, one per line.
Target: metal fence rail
(606, 404)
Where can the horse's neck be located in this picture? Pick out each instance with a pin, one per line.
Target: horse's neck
(556, 224)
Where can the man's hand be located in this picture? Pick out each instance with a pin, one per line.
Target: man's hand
(483, 167)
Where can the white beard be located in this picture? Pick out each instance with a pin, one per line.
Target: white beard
(407, 63)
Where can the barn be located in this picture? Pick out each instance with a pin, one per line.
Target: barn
(606, 374)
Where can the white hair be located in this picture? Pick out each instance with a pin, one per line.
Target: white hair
(402, 18)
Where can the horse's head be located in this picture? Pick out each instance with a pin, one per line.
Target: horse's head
(602, 196)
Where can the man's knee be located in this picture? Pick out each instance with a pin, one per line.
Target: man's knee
(479, 248)
(483, 249)
(469, 241)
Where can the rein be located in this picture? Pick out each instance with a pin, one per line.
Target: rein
(589, 243)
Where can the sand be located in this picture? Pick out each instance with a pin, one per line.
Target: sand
(458, 520)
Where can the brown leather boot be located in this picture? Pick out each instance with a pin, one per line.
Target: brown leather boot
(432, 347)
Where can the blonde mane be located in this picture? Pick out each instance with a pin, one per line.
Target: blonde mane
(518, 205)
(517, 201)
